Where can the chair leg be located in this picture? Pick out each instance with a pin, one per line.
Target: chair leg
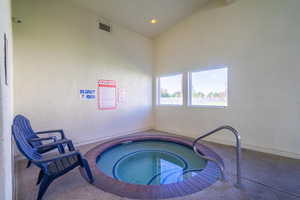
(41, 175)
(88, 170)
(28, 164)
(46, 181)
(70, 146)
(61, 149)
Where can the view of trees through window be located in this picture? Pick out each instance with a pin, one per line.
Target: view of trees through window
(171, 90)
(209, 88)
(206, 88)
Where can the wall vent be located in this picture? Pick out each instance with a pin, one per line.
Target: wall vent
(104, 25)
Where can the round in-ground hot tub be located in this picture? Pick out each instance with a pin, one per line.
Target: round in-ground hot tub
(152, 167)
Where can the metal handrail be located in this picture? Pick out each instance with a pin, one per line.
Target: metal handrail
(238, 151)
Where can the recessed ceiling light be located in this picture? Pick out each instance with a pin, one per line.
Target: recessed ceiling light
(153, 21)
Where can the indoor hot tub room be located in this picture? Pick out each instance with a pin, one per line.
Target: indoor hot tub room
(149, 100)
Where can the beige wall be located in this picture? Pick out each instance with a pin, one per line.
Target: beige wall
(58, 51)
(5, 104)
(259, 41)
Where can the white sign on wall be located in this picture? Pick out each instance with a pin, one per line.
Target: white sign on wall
(107, 95)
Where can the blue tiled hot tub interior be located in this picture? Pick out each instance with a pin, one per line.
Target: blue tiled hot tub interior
(150, 162)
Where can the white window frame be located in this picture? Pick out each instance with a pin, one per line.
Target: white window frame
(189, 87)
(158, 90)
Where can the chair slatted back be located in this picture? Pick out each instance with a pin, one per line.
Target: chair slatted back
(24, 147)
(24, 124)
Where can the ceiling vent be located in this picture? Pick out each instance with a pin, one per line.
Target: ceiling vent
(104, 25)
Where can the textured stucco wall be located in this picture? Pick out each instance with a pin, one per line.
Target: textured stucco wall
(58, 51)
(259, 41)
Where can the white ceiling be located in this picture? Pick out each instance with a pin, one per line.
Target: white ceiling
(136, 14)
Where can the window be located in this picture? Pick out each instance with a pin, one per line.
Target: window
(208, 87)
(170, 90)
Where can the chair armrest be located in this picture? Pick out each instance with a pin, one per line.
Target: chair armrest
(58, 157)
(53, 131)
(57, 143)
(42, 139)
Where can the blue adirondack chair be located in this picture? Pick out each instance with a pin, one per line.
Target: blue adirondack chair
(35, 140)
(50, 168)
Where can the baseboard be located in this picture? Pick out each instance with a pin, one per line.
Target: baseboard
(97, 139)
(277, 152)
